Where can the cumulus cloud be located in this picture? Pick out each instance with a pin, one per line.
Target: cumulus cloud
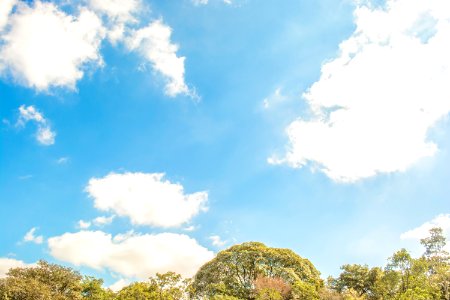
(8, 263)
(147, 199)
(44, 135)
(131, 255)
(423, 231)
(45, 47)
(376, 101)
(32, 238)
(154, 44)
(6, 7)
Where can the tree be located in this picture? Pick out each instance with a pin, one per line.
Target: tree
(233, 271)
(138, 291)
(358, 281)
(45, 282)
(170, 286)
(438, 261)
(91, 288)
(434, 244)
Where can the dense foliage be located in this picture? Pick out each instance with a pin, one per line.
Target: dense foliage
(253, 271)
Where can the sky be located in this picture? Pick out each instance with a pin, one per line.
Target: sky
(141, 136)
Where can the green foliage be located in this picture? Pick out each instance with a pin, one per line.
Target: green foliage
(404, 278)
(45, 281)
(233, 272)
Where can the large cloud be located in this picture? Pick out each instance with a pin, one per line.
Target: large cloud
(147, 199)
(154, 44)
(374, 104)
(131, 255)
(45, 47)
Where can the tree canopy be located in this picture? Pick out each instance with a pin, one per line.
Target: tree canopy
(234, 271)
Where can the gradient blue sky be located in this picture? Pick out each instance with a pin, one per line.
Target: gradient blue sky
(320, 126)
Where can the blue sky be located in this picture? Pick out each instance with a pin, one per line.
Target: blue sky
(144, 136)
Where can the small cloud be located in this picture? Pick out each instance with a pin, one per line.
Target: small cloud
(30, 237)
(83, 224)
(190, 228)
(44, 135)
(101, 221)
(25, 177)
(217, 241)
(275, 98)
(62, 160)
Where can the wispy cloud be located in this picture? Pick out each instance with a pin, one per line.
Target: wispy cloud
(154, 44)
(44, 135)
(32, 238)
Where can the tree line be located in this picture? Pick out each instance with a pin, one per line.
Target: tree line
(252, 271)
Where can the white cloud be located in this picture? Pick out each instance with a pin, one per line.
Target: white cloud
(374, 104)
(119, 13)
(147, 199)
(6, 7)
(217, 241)
(8, 263)
(120, 10)
(30, 237)
(47, 48)
(83, 224)
(130, 255)
(154, 44)
(190, 228)
(44, 134)
(101, 221)
(423, 231)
